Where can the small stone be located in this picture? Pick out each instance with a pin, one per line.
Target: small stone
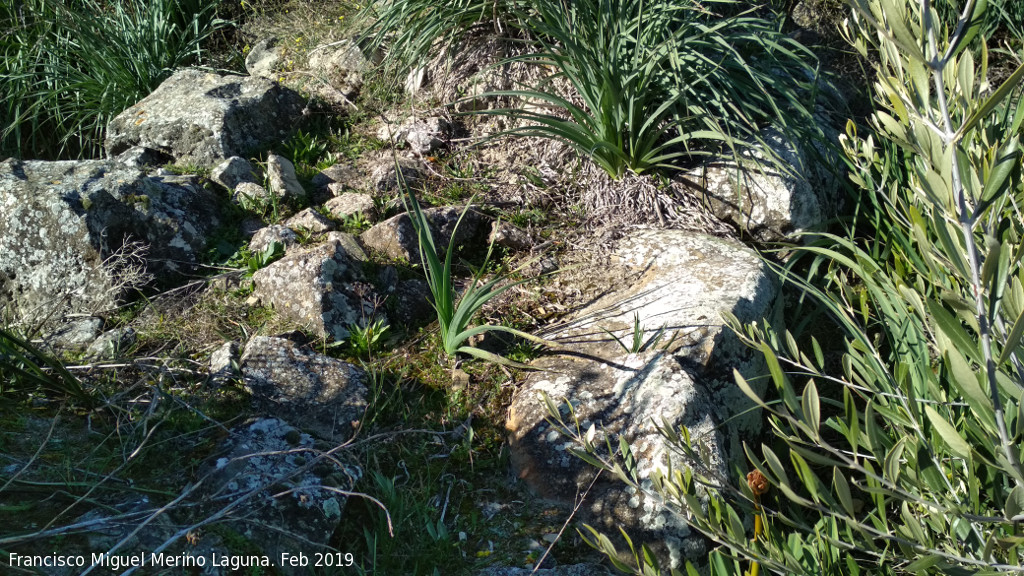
(276, 233)
(351, 203)
(264, 59)
(232, 172)
(509, 236)
(224, 364)
(112, 344)
(283, 181)
(311, 221)
(384, 176)
(76, 334)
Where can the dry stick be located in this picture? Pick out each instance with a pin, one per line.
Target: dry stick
(579, 502)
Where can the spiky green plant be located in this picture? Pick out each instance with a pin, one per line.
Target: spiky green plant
(24, 368)
(660, 81)
(455, 312)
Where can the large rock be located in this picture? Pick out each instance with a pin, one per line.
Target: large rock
(283, 493)
(771, 203)
(320, 289)
(75, 235)
(327, 397)
(396, 238)
(683, 282)
(202, 118)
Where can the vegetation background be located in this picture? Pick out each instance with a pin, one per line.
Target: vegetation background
(893, 443)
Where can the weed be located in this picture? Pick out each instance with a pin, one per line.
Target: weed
(638, 343)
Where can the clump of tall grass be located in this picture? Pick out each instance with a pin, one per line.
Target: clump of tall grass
(67, 68)
(662, 82)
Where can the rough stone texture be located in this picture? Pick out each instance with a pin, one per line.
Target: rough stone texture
(324, 395)
(75, 235)
(142, 157)
(770, 204)
(349, 244)
(342, 176)
(685, 281)
(233, 171)
(574, 570)
(320, 289)
(111, 344)
(423, 135)
(311, 221)
(412, 306)
(351, 203)
(338, 69)
(384, 176)
(286, 493)
(283, 181)
(509, 235)
(76, 334)
(202, 118)
(274, 233)
(396, 237)
(224, 363)
(264, 59)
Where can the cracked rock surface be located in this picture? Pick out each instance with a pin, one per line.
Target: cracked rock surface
(681, 281)
(325, 395)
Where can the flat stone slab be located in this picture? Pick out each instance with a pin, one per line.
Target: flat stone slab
(326, 396)
(679, 282)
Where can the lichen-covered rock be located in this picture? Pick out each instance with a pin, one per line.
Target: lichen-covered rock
(334, 180)
(283, 181)
(286, 496)
(112, 344)
(224, 363)
(338, 70)
(384, 175)
(202, 118)
(142, 157)
(509, 235)
(396, 237)
(74, 236)
(311, 221)
(232, 172)
(264, 59)
(274, 233)
(685, 280)
(352, 203)
(250, 194)
(423, 135)
(772, 204)
(76, 334)
(325, 396)
(320, 289)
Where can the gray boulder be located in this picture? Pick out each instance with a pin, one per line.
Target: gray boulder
(284, 494)
(683, 282)
(75, 236)
(320, 289)
(771, 204)
(396, 238)
(202, 118)
(112, 344)
(327, 396)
